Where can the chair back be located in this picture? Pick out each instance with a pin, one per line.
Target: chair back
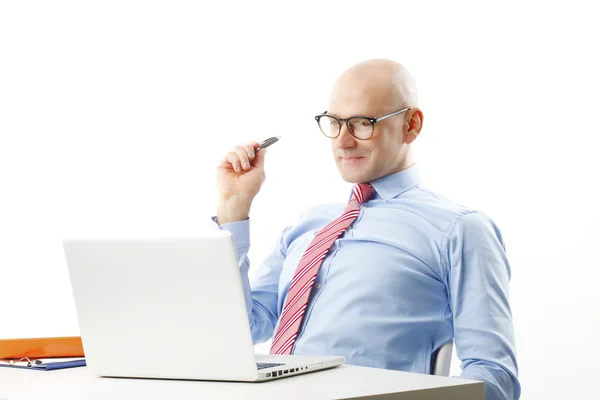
(441, 358)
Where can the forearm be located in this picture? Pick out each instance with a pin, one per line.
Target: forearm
(260, 304)
(499, 384)
(259, 315)
(233, 209)
(479, 275)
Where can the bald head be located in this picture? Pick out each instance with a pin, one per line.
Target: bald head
(373, 89)
(386, 80)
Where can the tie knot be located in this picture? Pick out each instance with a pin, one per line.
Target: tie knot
(362, 192)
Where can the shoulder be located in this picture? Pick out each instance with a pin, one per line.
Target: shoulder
(436, 199)
(457, 217)
(440, 210)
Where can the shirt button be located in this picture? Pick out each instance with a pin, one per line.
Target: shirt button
(332, 248)
(318, 286)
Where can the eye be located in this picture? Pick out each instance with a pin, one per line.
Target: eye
(360, 123)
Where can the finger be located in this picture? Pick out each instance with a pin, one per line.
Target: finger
(249, 150)
(234, 160)
(225, 164)
(255, 145)
(243, 156)
(259, 160)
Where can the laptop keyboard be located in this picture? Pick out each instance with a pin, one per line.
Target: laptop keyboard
(267, 365)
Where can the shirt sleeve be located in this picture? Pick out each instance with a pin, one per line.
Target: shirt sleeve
(479, 300)
(262, 296)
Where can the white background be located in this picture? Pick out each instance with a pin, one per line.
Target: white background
(113, 116)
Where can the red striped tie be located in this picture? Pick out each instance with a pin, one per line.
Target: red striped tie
(306, 273)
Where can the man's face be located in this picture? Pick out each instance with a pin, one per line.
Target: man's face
(383, 154)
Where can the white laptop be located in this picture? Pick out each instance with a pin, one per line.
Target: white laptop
(170, 309)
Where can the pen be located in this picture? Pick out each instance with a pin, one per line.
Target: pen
(266, 143)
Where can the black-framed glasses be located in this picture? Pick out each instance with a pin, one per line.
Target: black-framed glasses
(360, 127)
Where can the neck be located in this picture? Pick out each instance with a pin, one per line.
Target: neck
(407, 162)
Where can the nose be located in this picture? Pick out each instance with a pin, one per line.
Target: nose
(345, 140)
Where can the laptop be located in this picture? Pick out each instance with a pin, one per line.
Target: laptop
(170, 308)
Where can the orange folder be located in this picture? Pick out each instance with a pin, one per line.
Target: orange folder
(51, 347)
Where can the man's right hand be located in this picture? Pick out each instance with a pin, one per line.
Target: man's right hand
(239, 177)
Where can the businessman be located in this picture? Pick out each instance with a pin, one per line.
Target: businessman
(392, 272)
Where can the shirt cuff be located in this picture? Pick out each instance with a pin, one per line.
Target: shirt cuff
(240, 231)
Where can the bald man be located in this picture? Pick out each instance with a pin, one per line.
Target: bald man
(392, 273)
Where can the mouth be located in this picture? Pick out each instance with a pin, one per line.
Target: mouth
(351, 160)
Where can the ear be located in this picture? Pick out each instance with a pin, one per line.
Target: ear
(413, 125)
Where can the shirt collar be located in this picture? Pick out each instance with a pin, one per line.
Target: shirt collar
(392, 185)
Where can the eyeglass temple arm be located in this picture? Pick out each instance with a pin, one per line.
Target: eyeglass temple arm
(392, 114)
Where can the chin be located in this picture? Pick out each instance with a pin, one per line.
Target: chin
(352, 176)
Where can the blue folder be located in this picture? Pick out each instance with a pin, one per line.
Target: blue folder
(49, 366)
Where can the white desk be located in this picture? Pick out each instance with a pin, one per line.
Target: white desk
(343, 382)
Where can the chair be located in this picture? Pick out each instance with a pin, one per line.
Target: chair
(441, 358)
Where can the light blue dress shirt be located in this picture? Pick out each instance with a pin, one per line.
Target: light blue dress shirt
(413, 271)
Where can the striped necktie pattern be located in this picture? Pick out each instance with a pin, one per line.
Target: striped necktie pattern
(308, 267)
